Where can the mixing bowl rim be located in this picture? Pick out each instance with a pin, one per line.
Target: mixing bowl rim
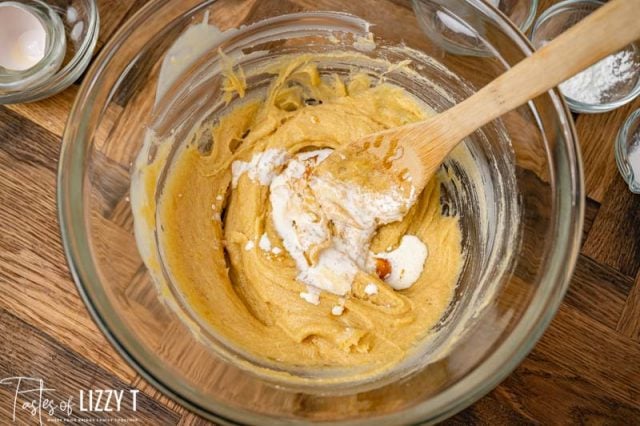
(532, 10)
(531, 16)
(569, 215)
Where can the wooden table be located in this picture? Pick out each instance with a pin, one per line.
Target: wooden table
(586, 368)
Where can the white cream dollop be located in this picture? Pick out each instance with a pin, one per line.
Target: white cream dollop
(407, 262)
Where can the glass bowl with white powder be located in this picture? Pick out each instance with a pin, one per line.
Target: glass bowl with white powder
(605, 86)
(628, 151)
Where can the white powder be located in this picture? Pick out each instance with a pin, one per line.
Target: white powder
(371, 289)
(261, 168)
(592, 85)
(302, 208)
(365, 44)
(312, 295)
(347, 203)
(334, 272)
(337, 310)
(264, 243)
(249, 246)
(293, 212)
(299, 221)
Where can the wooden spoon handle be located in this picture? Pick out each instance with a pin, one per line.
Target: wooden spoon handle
(600, 34)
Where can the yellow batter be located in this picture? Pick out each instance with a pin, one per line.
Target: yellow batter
(250, 296)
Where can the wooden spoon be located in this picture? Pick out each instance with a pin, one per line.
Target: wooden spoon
(421, 147)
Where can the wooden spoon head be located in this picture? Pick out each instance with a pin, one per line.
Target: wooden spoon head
(404, 158)
(368, 164)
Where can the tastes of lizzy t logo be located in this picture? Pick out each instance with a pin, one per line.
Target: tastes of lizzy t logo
(31, 397)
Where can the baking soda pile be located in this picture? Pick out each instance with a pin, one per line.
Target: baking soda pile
(593, 85)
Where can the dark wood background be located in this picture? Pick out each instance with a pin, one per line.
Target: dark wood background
(585, 370)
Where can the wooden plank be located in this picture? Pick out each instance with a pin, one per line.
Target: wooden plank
(35, 354)
(22, 141)
(489, 410)
(614, 239)
(112, 15)
(592, 351)
(598, 291)
(540, 391)
(266, 8)
(140, 383)
(36, 286)
(597, 134)
(187, 418)
(50, 113)
(590, 212)
(629, 324)
(228, 15)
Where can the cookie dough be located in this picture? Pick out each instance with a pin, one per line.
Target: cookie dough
(230, 261)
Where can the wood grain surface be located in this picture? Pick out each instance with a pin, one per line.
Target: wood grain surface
(584, 370)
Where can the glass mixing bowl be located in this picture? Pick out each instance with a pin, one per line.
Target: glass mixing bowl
(517, 189)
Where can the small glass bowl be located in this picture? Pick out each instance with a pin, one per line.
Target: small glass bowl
(560, 17)
(54, 50)
(520, 12)
(628, 138)
(79, 21)
(455, 28)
